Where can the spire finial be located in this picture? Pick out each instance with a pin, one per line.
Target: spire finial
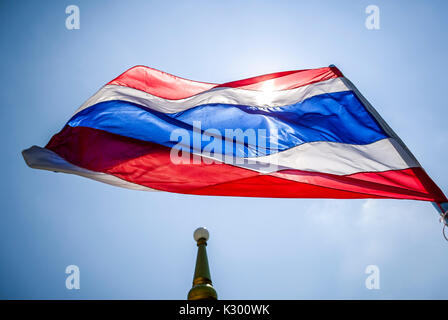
(202, 283)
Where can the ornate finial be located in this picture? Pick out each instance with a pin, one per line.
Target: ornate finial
(202, 283)
(201, 233)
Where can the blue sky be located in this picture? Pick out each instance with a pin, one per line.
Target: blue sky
(138, 245)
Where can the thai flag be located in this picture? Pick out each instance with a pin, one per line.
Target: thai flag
(295, 134)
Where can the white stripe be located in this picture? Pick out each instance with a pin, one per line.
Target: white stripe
(235, 96)
(41, 158)
(334, 158)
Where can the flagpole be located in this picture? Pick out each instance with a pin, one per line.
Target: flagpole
(202, 283)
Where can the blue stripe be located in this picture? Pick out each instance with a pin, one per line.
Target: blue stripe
(334, 117)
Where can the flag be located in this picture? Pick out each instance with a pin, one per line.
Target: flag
(294, 134)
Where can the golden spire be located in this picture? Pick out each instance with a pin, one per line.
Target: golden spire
(202, 283)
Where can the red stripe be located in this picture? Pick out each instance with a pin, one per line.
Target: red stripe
(226, 180)
(411, 183)
(286, 80)
(168, 86)
(149, 164)
(97, 150)
(161, 84)
(268, 186)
